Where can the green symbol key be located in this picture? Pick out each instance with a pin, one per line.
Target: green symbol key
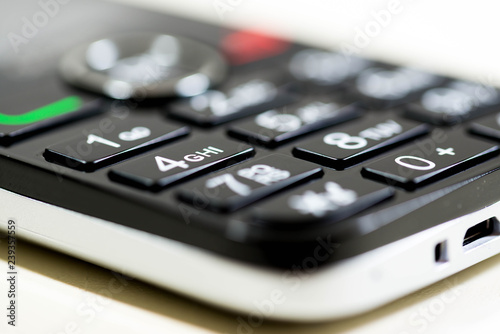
(60, 107)
(17, 127)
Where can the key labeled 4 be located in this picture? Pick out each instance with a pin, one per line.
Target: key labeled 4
(166, 164)
(180, 162)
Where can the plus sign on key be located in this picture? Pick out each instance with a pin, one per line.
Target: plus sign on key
(417, 165)
(442, 151)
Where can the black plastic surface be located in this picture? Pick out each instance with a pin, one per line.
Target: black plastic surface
(29, 80)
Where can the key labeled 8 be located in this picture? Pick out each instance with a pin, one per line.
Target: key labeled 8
(136, 133)
(345, 141)
(378, 132)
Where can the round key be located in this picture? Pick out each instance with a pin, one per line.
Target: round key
(143, 66)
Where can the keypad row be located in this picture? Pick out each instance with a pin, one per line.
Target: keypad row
(349, 110)
(240, 180)
(427, 97)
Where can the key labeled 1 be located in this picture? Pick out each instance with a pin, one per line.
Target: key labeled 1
(97, 146)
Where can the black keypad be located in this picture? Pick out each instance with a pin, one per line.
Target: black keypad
(242, 95)
(384, 87)
(248, 182)
(443, 154)
(180, 161)
(354, 142)
(277, 126)
(454, 103)
(108, 140)
(333, 198)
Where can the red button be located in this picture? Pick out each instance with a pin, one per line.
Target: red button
(247, 46)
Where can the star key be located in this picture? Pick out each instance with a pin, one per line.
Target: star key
(328, 200)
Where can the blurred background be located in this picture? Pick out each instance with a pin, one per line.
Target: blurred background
(448, 37)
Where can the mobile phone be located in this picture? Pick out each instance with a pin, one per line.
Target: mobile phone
(301, 183)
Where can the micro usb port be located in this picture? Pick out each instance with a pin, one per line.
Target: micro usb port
(479, 231)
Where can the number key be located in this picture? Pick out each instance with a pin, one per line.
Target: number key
(241, 95)
(454, 103)
(110, 139)
(277, 126)
(353, 143)
(381, 87)
(326, 69)
(487, 127)
(249, 182)
(180, 161)
(441, 155)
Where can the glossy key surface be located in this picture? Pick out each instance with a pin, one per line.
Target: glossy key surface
(444, 154)
(453, 103)
(248, 182)
(325, 70)
(385, 87)
(334, 197)
(356, 141)
(110, 139)
(277, 126)
(488, 126)
(178, 162)
(25, 117)
(242, 95)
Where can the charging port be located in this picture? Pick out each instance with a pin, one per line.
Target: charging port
(482, 230)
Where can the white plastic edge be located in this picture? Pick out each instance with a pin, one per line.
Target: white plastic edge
(312, 294)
